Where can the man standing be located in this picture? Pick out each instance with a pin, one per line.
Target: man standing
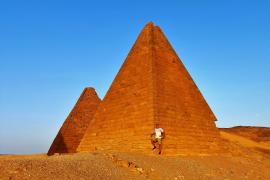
(156, 138)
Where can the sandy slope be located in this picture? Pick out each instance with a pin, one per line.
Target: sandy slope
(258, 134)
(244, 141)
(254, 138)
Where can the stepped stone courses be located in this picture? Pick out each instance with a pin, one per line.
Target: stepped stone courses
(74, 127)
(152, 88)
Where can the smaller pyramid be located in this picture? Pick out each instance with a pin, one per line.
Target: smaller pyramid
(74, 127)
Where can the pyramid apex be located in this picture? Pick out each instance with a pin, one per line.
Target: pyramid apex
(149, 24)
(89, 89)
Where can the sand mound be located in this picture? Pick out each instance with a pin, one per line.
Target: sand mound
(259, 134)
(264, 147)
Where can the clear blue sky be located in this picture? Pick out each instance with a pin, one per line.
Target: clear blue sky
(51, 50)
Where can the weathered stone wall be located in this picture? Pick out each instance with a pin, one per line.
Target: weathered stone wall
(181, 109)
(152, 88)
(74, 127)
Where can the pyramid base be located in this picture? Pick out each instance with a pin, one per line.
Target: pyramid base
(202, 148)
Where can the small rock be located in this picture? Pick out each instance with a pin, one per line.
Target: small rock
(123, 163)
(132, 165)
(140, 170)
(180, 177)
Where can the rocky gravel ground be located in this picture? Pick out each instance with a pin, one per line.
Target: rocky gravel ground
(105, 165)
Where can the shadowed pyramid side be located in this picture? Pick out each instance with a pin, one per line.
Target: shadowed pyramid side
(74, 127)
(181, 109)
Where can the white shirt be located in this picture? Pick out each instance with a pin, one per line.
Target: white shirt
(158, 132)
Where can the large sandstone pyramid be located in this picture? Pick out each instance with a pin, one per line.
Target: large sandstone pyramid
(152, 88)
(74, 127)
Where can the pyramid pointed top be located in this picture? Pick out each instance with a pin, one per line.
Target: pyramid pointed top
(146, 37)
(90, 90)
(149, 24)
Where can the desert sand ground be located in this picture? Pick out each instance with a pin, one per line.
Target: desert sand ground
(252, 161)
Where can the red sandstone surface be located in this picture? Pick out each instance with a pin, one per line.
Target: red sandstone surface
(74, 127)
(153, 88)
